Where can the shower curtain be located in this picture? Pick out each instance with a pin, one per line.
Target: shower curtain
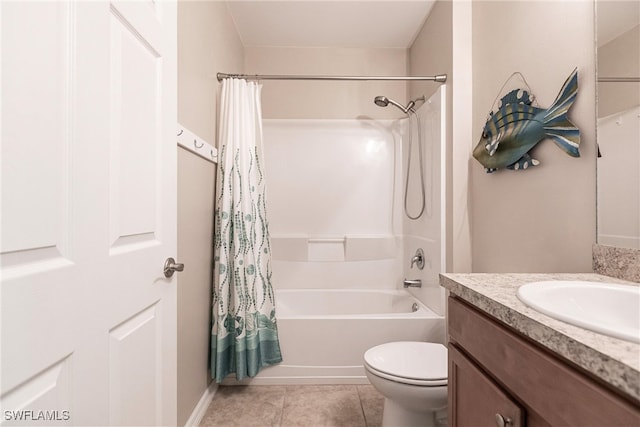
(244, 335)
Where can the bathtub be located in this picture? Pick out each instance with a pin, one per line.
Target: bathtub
(325, 332)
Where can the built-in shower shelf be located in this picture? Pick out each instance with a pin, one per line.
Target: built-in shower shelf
(333, 248)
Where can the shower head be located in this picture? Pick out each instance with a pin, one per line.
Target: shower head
(383, 101)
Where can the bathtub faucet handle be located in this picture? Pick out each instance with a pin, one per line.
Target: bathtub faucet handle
(418, 259)
(412, 283)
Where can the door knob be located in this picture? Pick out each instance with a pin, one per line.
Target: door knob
(171, 266)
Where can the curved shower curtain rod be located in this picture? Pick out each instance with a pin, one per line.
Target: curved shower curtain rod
(440, 78)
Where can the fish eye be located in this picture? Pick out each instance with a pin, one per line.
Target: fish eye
(484, 134)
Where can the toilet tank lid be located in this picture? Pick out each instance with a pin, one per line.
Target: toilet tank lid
(409, 359)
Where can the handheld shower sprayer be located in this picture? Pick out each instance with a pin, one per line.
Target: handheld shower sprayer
(383, 101)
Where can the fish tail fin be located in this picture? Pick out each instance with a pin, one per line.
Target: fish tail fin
(567, 138)
(556, 124)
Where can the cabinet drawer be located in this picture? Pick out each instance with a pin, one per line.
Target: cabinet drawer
(560, 394)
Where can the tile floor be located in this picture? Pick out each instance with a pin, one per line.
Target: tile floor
(295, 406)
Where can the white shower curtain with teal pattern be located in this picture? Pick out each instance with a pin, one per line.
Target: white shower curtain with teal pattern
(244, 335)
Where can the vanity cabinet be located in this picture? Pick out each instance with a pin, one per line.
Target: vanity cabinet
(497, 377)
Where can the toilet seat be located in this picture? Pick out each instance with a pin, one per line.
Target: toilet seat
(409, 362)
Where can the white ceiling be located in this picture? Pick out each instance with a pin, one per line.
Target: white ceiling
(369, 23)
(329, 23)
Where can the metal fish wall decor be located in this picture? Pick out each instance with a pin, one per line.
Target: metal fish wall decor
(511, 132)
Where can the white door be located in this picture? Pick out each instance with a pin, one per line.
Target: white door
(88, 212)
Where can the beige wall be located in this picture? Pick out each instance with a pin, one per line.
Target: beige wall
(542, 219)
(432, 50)
(328, 99)
(207, 43)
(196, 179)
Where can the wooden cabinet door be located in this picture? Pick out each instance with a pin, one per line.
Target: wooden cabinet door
(551, 391)
(475, 400)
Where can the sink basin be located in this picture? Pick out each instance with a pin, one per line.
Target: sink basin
(608, 308)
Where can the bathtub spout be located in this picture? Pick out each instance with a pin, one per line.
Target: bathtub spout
(412, 283)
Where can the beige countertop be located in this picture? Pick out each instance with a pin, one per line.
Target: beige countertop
(614, 361)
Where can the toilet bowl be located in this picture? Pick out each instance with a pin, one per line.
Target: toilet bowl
(412, 377)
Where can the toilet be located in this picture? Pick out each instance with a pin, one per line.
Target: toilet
(412, 377)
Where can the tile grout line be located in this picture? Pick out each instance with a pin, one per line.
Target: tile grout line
(364, 415)
(284, 396)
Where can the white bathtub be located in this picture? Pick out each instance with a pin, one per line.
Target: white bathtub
(325, 332)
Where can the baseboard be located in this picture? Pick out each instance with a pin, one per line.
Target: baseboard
(201, 407)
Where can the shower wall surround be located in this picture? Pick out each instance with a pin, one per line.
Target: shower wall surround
(429, 231)
(335, 195)
(332, 190)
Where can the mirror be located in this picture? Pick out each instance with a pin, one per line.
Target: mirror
(618, 122)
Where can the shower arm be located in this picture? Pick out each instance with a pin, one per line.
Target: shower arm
(421, 99)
